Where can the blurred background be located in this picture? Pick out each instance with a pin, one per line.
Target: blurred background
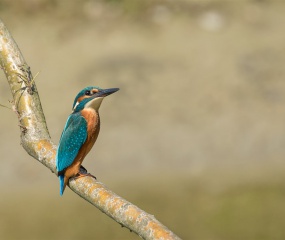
(195, 136)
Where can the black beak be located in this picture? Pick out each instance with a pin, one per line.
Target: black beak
(106, 92)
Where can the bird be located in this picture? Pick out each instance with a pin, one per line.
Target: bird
(80, 133)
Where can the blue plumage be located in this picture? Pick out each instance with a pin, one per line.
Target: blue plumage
(73, 137)
(61, 184)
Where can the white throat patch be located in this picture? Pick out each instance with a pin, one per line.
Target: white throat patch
(95, 103)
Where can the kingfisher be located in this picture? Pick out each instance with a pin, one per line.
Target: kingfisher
(80, 133)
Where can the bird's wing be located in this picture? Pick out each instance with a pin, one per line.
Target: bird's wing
(73, 137)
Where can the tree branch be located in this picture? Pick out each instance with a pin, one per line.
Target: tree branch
(36, 141)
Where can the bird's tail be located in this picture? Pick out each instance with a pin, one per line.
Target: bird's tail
(61, 182)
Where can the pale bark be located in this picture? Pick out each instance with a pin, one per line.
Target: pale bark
(36, 141)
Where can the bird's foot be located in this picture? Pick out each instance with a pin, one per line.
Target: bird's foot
(83, 169)
(80, 175)
(83, 173)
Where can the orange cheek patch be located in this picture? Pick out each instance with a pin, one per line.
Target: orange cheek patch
(83, 97)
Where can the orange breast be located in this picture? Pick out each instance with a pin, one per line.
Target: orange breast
(93, 128)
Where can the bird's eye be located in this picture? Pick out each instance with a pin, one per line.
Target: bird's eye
(87, 92)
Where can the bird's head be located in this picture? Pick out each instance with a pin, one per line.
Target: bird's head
(91, 97)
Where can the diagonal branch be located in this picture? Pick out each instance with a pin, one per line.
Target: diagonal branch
(36, 141)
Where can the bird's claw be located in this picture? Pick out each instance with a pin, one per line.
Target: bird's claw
(80, 175)
(83, 169)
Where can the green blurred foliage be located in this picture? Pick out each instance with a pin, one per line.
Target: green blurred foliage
(193, 211)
